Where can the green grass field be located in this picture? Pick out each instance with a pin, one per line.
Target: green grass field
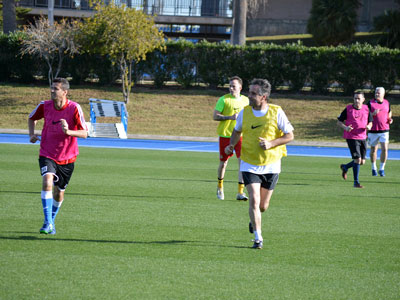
(140, 224)
(177, 112)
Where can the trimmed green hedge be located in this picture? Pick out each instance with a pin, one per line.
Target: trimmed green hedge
(13, 66)
(294, 65)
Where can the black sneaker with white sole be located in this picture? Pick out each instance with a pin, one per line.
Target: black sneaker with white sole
(257, 244)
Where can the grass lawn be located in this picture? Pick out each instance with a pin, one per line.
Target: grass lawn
(140, 224)
(177, 112)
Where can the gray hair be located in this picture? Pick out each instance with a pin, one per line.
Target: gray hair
(265, 86)
(380, 88)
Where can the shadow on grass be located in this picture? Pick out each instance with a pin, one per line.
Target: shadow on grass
(104, 195)
(182, 179)
(150, 89)
(170, 242)
(53, 238)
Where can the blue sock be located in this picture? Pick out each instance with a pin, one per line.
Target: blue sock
(356, 172)
(349, 165)
(55, 208)
(47, 203)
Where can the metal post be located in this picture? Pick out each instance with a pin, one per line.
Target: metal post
(124, 119)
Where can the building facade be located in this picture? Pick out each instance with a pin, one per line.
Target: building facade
(214, 17)
(278, 17)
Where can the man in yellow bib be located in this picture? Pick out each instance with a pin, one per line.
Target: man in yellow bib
(226, 112)
(266, 130)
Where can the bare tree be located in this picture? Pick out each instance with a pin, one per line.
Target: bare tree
(125, 35)
(9, 16)
(51, 43)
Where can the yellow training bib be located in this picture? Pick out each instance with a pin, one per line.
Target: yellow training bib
(266, 127)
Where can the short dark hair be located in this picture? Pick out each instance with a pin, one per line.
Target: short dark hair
(359, 93)
(265, 86)
(236, 78)
(64, 83)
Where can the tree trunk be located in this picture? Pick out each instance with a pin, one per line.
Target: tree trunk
(9, 16)
(146, 7)
(50, 73)
(238, 36)
(124, 78)
(50, 14)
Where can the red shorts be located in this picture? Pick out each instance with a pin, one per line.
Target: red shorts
(223, 143)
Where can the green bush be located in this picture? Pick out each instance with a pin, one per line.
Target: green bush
(212, 68)
(294, 66)
(13, 66)
(159, 66)
(184, 62)
(384, 67)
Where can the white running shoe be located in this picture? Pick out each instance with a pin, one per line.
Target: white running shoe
(220, 194)
(242, 197)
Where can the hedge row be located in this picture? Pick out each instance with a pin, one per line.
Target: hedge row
(349, 67)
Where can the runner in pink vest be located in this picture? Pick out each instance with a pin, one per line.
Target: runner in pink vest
(379, 133)
(355, 120)
(63, 124)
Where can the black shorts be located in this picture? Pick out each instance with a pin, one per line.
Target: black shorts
(268, 181)
(62, 173)
(358, 148)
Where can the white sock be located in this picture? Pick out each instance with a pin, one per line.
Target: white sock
(257, 235)
(382, 166)
(46, 194)
(57, 204)
(374, 166)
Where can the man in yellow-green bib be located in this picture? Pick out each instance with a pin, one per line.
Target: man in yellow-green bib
(226, 112)
(266, 130)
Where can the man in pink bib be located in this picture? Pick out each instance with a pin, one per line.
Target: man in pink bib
(63, 124)
(379, 133)
(355, 119)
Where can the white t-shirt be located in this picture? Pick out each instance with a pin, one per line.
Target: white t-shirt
(283, 124)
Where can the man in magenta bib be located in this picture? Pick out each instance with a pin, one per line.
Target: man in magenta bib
(379, 133)
(63, 124)
(355, 119)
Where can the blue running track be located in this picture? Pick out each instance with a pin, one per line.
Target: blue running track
(189, 146)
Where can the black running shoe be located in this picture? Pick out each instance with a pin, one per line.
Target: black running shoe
(344, 171)
(257, 244)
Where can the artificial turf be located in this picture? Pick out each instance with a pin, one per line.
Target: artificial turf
(140, 224)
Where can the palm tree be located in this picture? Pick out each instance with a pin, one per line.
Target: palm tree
(239, 22)
(243, 10)
(9, 16)
(390, 24)
(333, 22)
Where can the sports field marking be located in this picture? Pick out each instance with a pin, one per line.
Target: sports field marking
(193, 146)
